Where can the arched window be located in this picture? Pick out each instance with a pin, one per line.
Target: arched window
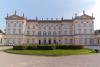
(54, 33)
(44, 33)
(39, 33)
(49, 33)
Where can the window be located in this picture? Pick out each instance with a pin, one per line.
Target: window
(39, 33)
(65, 32)
(49, 28)
(8, 24)
(59, 28)
(49, 33)
(91, 31)
(8, 31)
(19, 31)
(14, 24)
(33, 27)
(28, 32)
(33, 32)
(44, 28)
(44, 33)
(85, 24)
(54, 28)
(14, 30)
(79, 31)
(59, 32)
(33, 40)
(65, 41)
(65, 27)
(54, 33)
(85, 30)
(79, 25)
(20, 25)
(28, 27)
(39, 28)
(90, 25)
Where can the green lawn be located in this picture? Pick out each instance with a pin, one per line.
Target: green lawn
(51, 52)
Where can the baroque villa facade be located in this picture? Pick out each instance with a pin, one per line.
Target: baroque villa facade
(78, 30)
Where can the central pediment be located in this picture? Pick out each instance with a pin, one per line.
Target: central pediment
(15, 17)
(84, 17)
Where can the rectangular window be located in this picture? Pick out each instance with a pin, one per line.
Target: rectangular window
(28, 32)
(65, 32)
(14, 24)
(19, 31)
(32, 40)
(85, 31)
(33, 27)
(33, 32)
(79, 31)
(66, 41)
(14, 30)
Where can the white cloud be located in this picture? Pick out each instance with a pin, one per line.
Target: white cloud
(96, 11)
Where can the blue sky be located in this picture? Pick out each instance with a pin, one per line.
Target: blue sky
(44, 8)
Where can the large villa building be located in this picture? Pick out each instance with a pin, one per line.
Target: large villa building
(78, 30)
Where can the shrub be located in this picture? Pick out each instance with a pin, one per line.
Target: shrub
(19, 47)
(31, 47)
(75, 47)
(61, 46)
(69, 46)
(45, 47)
(96, 50)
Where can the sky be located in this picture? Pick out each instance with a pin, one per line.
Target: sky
(49, 9)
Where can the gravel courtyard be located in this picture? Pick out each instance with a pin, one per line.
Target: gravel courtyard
(13, 60)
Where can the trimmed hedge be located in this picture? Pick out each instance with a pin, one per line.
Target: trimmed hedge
(19, 47)
(31, 47)
(46, 47)
(69, 47)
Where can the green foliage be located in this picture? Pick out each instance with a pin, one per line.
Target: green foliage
(46, 47)
(31, 47)
(19, 47)
(69, 46)
(75, 47)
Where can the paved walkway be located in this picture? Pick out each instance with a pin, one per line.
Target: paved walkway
(13, 60)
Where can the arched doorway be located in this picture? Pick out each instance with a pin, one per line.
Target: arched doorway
(39, 42)
(49, 41)
(54, 41)
(44, 41)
